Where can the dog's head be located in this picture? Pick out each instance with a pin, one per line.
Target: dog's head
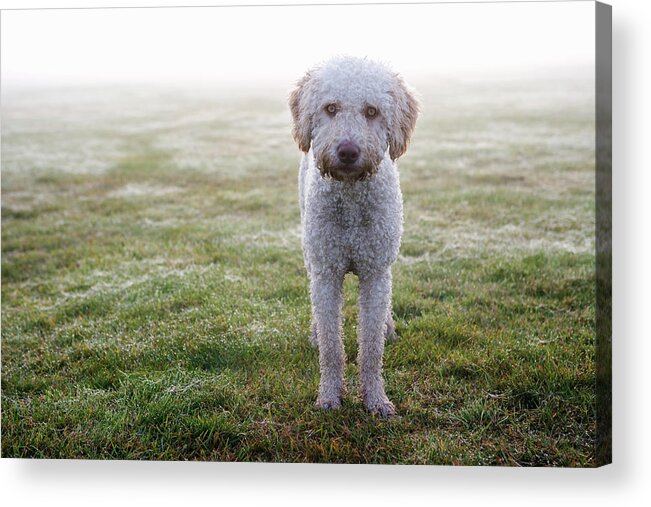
(351, 111)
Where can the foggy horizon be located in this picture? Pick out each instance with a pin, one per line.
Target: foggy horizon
(251, 46)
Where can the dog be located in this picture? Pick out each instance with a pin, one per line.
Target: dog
(352, 119)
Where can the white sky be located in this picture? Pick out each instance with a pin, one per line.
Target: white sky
(253, 44)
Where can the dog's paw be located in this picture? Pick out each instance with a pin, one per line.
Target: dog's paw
(314, 339)
(381, 407)
(390, 334)
(328, 403)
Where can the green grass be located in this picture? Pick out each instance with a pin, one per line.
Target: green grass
(155, 305)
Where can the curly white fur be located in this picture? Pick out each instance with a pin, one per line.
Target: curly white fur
(352, 119)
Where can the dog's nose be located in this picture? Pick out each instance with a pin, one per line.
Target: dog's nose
(347, 152)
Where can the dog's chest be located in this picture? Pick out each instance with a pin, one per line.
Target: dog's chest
(351, 213)
(355, 227)
(357, 224)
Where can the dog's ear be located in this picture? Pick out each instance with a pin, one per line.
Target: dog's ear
(301, 114)
(403, 121)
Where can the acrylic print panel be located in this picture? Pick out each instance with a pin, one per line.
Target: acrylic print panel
(155, 300)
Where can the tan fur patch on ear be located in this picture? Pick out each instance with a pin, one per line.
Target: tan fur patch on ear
(302, 128)
(404, 119)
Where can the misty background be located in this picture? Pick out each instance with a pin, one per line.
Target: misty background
(248, 46)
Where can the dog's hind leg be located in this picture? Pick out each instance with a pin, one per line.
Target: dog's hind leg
(314, 337)
(390, 334)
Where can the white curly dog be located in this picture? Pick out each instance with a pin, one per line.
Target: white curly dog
(352, 119)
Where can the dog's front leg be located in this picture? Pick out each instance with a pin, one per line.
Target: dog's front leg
(326, 293)
(374, 303)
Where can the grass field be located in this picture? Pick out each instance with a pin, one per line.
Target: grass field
(155, 305)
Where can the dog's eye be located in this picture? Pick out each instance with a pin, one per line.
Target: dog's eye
(371, 111)
(331, 108)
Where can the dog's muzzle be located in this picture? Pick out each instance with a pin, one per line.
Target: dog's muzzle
(346, 166)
